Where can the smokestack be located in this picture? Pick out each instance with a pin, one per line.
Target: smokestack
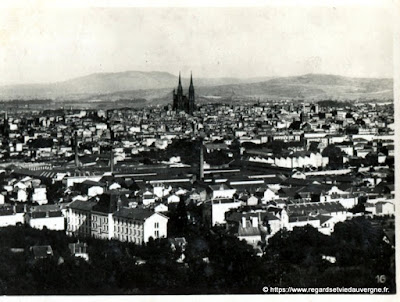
(76, 150)
(112, 160)
(112, 151)
(201, 172)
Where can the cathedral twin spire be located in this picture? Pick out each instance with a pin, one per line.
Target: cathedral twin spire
(182, 102)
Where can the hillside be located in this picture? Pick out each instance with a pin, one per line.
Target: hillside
(106, 83)
(156, 87)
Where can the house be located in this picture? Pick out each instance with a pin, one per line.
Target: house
(160, 190)
(178, 242)
(39, 195)
(298, 175)
(250, 230)
(253, 227)
(79, 250)
(252, 200)
(148, 198)
(269, 195)
(42, 251)
(92, 188)
(214, 210)
(161, 208)
(346, 199)
(22, 195)
(114, 186)
(327, 224)
(221, 191)
(12, 215)
(52, 220)
(384, 208)
(173, 198)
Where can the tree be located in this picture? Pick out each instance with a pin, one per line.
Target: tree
(335, 156)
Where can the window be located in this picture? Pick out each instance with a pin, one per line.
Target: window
(156, 234)
(156, 225)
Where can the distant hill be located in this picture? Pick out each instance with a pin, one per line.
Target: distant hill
(106, 83)
(156, 87)
(311, 87)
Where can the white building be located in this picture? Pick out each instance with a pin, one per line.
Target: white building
(95, 190)
(216, 209)
(222, 191)
(11, 216)
(52, 220)
(40, 195)
(173, 199)
(138, 225)
(79, 219)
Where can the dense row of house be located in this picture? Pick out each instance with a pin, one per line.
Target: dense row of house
(77, 171)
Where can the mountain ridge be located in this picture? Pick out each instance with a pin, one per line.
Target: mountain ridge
(155, 85)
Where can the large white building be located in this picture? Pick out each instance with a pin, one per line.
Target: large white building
(109, 219)
(79, 218)
(138, 225)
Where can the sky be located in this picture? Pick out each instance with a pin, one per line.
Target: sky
(45, 44)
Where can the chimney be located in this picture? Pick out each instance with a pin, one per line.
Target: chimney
(201, 172)
(76, 150)
(112, 160)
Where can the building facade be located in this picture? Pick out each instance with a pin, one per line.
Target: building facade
(79, 218)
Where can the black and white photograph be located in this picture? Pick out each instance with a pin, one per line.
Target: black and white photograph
(198, 148)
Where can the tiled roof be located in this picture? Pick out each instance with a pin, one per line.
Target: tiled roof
(134, 214)
(237, 216)
(323, 218)
(42, 251)
(321, 207)
(36, 215)
(82, 205)
(249, 231)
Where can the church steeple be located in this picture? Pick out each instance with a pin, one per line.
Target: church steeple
(191, 95)
(191, 87)
(183, 102)
(180, 90)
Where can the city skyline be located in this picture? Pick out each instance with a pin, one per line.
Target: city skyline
(51, 45)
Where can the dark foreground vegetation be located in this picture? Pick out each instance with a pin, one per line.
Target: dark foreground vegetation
(214, 262)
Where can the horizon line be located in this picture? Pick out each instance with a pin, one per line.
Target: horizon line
(200, 77)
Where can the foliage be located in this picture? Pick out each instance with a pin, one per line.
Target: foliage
(214, 262)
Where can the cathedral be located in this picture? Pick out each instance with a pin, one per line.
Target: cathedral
(182, 102)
